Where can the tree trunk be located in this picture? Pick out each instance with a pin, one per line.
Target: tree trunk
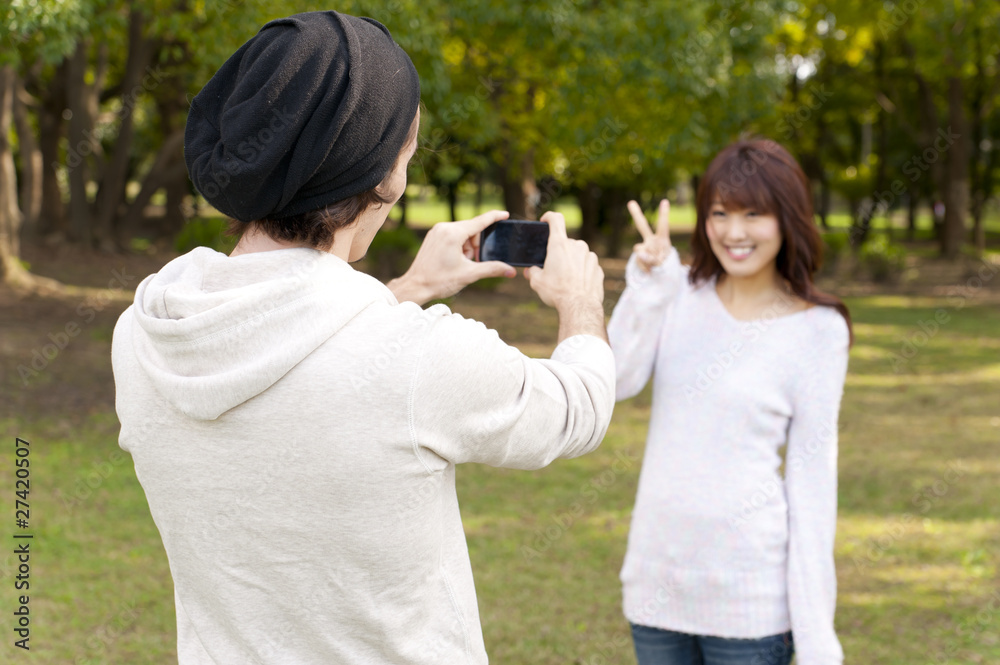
(979, 161)
(529, 188)
(824, 202)
(176, 190)
(10, 215)
(31, 162)
(167, 165)
(112, 188)
(867, 209)
(929, 127)
(51, 128)
(517, 178)
(513, 195)
(510, 183)
(589, 198)
(528, 185)
(938, 219)
(12, 272)
(821, 173)
(81, 99)
(171, 106)
(985, 190)
(863, 222)
(453, 200)
(957, 195)
(911, 215)
(978, 231)
(860, 210)
(614, 206)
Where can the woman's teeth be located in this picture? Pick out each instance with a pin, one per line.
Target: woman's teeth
(739, 252)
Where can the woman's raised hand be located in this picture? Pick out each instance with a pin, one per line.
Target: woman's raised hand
(655, 246)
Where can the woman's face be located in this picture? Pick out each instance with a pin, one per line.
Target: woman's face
(744, 241)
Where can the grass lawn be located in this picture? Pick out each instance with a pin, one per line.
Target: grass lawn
(918, 544)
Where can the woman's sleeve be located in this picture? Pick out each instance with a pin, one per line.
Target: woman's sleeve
(634, 328)
(811, 487)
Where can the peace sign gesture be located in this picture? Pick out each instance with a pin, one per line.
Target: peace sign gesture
(654, 246)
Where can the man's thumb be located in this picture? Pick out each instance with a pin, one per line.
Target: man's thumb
(493, 269)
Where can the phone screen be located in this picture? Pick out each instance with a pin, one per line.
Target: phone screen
(515, 242)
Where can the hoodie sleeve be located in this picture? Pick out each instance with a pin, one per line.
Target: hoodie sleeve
(634, 328)
(474, 398)
(811, 488)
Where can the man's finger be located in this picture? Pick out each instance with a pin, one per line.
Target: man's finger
(473, 226)
(492, 269)
(557, 225)
(640, 220)
(663, 220)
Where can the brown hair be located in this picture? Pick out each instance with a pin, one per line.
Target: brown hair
(762, 175)
(317, 227)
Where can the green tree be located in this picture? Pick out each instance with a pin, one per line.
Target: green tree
(913, 90)
(44, 31)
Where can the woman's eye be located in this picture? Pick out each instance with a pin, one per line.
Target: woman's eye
(751, 213)
(719, 213)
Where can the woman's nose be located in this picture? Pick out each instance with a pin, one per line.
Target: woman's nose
(736, 229)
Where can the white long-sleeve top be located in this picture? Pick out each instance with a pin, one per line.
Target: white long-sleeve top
(721, 543)
(296, 432)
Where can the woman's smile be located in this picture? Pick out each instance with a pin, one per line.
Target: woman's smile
(738, 253)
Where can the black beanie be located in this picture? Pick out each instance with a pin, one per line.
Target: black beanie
(312, 110)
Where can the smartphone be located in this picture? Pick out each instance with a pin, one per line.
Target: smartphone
(516, 242)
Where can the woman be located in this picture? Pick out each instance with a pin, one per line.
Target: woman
(730, 552)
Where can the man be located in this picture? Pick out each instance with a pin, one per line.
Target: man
(295, 424)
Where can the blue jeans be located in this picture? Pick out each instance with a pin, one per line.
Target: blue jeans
(654, 646)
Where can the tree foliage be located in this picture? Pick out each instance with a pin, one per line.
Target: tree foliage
(598, 100)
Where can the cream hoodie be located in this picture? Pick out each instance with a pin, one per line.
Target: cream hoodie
(296, 432)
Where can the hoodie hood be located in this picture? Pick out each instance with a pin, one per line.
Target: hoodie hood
(212, 331)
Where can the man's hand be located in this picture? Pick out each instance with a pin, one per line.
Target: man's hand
(446, 261)
(571, 281)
